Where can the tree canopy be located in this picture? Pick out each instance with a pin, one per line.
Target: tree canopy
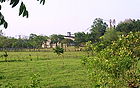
(129, 25)
(56, 38)
(98, 28)
(80, 37)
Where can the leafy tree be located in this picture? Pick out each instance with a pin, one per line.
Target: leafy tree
(80, 38)
(6, 42)
(21, 43)
(129, 26)
(110, 35)
(60, 38)
(98, 29)
(32, 36)
(22, 10)
(90, 37)
(68, 42)
(55, 39)
(37, 40)
(58, 50)
(116, 66)
(34, 41)
(3, 39)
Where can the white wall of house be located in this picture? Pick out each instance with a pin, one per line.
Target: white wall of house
(47, 44)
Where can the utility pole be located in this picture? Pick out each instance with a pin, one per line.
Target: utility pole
(112, 23)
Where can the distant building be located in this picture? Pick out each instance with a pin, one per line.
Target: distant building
(46, 44)
(69, 36)
(49, 44)
(68, 33)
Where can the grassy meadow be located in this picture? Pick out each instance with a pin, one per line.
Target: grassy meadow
(43, 69)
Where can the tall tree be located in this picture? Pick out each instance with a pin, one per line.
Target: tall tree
(98, 28)
(55, 39)
(37, 40)
(60, 38)
(80, 38)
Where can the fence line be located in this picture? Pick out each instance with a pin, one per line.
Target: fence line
(34, 49)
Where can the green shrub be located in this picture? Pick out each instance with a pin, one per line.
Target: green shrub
(58, 50)
(116, 65)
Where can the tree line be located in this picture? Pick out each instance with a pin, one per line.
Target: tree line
(34, 41)
(99, 32)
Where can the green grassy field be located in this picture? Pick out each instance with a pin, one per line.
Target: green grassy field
(44, 69)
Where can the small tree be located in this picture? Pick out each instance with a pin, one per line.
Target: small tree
(5, 55)
(58, 50)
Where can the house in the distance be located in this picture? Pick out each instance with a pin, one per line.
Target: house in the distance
(49, 44)
(69, 36)
(46, 44)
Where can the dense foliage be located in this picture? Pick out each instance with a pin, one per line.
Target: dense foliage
(55, 39)
(115, 66)
(129, 26)
(80, 38)
(98, 29)
(34, 41)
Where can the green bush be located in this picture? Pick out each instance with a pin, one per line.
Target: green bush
(116, 66)
(58, 50)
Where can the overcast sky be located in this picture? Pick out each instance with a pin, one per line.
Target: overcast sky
(62, 16)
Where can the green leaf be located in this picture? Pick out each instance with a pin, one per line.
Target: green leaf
(21, 9)
(0, 7)
(2, 21)
(27, 14)
(15, 3)
(42, 1)
(0, 15)
(5, 25)
(2, 1)
(12, 2)
(24, 13)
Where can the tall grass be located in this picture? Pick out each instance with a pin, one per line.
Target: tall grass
(54, 71)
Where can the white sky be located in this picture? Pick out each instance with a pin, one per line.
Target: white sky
(62, 16)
